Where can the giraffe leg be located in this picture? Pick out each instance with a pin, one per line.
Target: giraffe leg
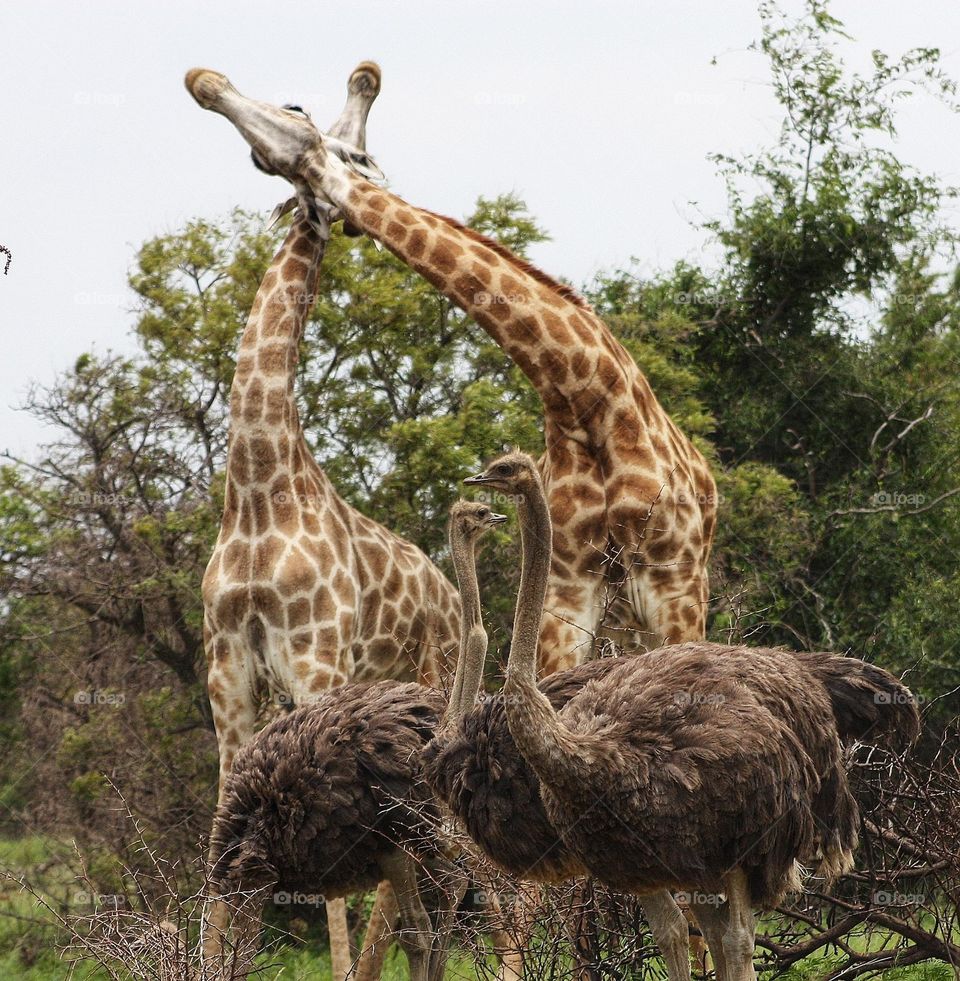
(224, 958)
(341, 957)
(739, 936)
(234, 717)
(416, 932)
(670, 931)
(380, 930)
(232, 704)
(713, 922)
(511, 939)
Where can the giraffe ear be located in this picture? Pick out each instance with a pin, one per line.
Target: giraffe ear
(285, 207)
(357, 160)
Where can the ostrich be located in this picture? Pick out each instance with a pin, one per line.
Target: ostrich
(329, 800)
(708, 768)
(474, 767)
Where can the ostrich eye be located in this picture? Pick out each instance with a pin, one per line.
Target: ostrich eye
(503, 469)
(483, 512)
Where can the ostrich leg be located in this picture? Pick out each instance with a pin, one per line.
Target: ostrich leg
(416, 931)
(739, 937)
(713, 923)
(380, 930)
(670, 931)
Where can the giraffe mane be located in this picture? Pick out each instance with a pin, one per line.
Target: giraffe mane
(561, 289)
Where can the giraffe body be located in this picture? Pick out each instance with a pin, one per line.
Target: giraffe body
(632, 500)
(302, 591)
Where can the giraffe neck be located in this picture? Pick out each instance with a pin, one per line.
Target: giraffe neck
(550, 332)
(265, 434)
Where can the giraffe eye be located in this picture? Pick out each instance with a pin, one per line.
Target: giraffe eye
(294, 108)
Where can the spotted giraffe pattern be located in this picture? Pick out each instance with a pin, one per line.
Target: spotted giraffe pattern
(302, 591)
(632, 499)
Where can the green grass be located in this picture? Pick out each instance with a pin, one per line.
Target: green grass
(303, 964)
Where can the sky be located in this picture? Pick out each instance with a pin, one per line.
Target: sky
(601, 116)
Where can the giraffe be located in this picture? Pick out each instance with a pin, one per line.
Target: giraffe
(303, 592)
(632, 499)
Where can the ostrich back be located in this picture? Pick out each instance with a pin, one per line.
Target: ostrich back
(478, 772)
(320, 795)
(698, 758)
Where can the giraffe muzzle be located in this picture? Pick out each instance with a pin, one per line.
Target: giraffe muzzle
(206, 86)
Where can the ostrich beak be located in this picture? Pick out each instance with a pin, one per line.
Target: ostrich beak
(496, 519)
(479, 479)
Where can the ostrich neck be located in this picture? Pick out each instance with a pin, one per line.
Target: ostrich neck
(545, 742)
(473, 638)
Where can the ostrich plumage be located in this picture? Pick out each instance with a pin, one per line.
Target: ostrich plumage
(481, 776)
(322, 794)
(699, 758)
(476, 770)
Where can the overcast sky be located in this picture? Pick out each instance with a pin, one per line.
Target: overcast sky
(600, 115)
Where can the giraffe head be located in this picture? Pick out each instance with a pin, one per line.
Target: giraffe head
(471, 519)
(283, 139)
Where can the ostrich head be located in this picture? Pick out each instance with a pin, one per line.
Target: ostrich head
(513, 473)
(471, 519)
